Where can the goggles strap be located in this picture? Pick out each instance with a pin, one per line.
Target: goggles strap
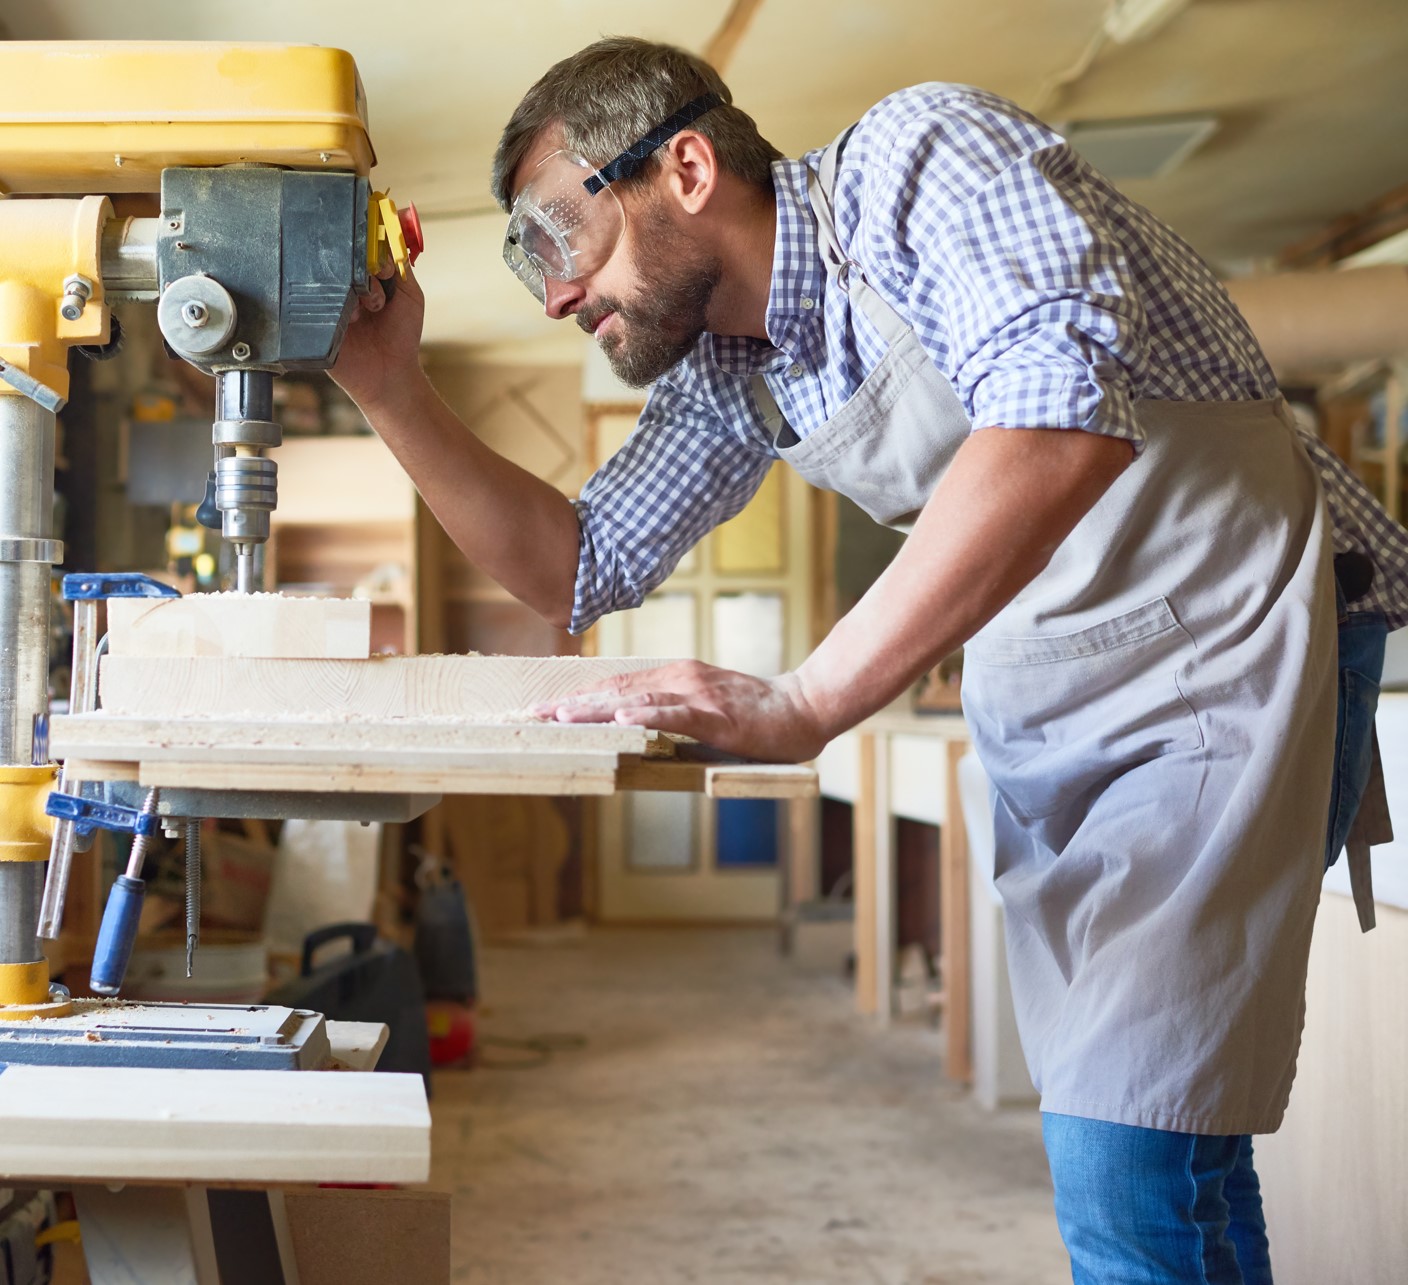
(634, 156)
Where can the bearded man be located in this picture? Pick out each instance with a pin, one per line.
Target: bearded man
(948, 316)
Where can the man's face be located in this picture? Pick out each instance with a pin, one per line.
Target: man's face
(650, 329)
(647, 305)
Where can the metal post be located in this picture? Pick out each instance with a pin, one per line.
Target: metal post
(27, 552)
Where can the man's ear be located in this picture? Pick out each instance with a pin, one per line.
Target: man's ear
(691, 170)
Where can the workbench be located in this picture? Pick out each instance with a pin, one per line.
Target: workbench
(902, 764)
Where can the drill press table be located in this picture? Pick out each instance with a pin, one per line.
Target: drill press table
(412, 725)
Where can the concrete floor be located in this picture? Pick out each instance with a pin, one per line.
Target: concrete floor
(726, 1120)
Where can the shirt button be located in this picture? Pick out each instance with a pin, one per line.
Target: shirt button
(794, 372)
(808, 303)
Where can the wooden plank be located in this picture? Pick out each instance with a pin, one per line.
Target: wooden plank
(357, 779)
(664, 775)
(863, 829)
(884, 876)
(476, 687)
(114, 736)
(803, 866)
(156, 1235)
(100, 769)
(954, 933)
(760, 781)
(66, 1123)
(267, 625)
(739, 780)
(358, 1045)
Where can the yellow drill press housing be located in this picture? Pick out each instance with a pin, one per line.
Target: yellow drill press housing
(109, 116)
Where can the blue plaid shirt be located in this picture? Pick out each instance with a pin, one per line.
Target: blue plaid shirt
(1047, 299)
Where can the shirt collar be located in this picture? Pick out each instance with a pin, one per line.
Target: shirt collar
(793, 315)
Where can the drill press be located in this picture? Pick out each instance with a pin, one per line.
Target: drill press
(268, 231)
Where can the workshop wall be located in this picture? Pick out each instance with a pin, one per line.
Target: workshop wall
(521, 860)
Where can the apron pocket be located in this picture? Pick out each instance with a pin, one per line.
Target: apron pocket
(1058, 717)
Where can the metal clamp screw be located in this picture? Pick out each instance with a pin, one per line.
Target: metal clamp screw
(77, 291)
(195, 314)
(241, 351)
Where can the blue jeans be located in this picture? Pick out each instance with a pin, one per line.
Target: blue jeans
(1150, 1207)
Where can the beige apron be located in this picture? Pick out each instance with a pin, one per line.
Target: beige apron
(1156, 711)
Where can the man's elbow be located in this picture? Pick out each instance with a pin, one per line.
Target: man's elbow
(558, 617)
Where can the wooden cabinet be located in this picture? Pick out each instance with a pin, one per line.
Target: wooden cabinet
(349, 523)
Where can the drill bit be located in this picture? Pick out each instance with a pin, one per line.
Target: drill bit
(192, 892)
(244, 568)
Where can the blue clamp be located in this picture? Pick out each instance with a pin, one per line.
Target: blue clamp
(88, 815)
(88, 586)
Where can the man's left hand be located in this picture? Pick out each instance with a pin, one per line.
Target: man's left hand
(759, 718)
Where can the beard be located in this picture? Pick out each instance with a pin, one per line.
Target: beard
(667, 314)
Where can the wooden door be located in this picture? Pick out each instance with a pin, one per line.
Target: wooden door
(741, 599)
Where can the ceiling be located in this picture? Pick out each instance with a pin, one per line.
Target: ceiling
(1309, 97)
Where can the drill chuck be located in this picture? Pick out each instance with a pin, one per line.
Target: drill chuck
(246, 493)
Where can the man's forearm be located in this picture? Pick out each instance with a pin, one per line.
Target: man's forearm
(991, 526)
(513, 526)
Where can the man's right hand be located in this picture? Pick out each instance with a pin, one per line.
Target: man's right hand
(380, 352)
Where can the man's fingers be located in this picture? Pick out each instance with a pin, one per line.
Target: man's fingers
(602, 707)
(548, 709)
(685, 719)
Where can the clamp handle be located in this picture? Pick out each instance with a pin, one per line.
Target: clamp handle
(88, 586)
(85, 590)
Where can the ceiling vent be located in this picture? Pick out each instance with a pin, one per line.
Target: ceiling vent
(1149, 147)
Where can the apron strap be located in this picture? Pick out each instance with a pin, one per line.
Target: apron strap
(781, 432)
(1372, 825)
(844, 271)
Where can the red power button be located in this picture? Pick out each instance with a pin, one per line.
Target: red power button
(411, 230)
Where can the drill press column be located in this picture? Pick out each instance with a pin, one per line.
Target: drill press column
(26, 543)
(26, 551)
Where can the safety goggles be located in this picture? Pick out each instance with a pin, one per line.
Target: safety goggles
(567, 221)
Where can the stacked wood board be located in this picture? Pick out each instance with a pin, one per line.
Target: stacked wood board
(176, 714)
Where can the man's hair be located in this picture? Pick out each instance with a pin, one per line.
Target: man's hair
(613, 93)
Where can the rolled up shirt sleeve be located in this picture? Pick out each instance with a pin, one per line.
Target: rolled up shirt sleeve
(680, 473)
(998, 222)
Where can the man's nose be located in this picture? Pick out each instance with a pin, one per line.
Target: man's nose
(561, 298)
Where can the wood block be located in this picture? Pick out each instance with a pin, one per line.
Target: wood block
(65, 1123)
(370, 1237)
(466, 687)
(240, 624)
